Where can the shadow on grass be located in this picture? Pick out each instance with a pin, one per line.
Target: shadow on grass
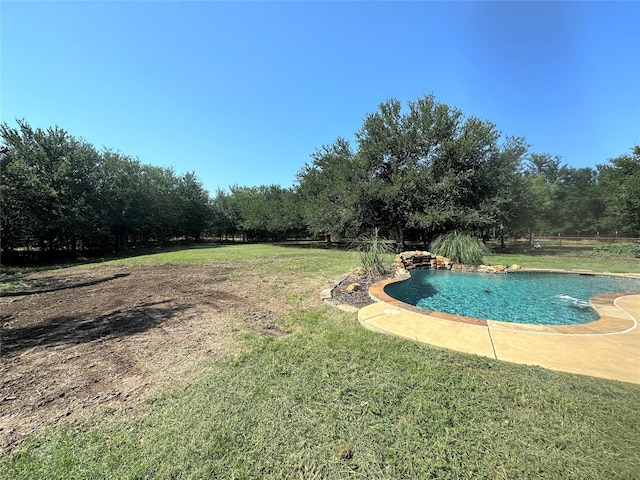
(59, 287)
(313, 244)
(14, 272)
(67, 330)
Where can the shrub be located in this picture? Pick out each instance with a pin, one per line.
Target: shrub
(372, 250)
(622, 250)
(459, 247)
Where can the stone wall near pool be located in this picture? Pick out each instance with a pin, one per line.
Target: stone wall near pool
(407, 261)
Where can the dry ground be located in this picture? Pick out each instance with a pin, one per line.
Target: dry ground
(76, 340)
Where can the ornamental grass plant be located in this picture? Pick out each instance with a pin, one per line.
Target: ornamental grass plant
(459, 247)
(373, 252)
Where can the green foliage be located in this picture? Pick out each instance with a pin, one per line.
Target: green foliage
(560, 199)
(267, 212)
(575, 201)
(226, 219)
(625, 250)
(459, 247)
(416, 172)
(58, 193)
(46, 189)
(374, 253)
(194, 205)
(329, 190)
(619, 187)
(428, 168)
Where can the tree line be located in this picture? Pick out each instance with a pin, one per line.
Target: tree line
(414, 173)
(60, 194)
(431, 169)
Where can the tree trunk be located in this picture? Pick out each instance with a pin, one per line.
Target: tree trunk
(400, 242)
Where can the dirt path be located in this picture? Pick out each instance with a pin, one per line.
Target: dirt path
(75, 340)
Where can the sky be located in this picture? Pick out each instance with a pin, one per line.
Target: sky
(242, 93)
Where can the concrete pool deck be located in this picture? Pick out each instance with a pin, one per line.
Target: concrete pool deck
(607, 348)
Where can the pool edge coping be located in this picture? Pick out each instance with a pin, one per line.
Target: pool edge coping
(606, 325)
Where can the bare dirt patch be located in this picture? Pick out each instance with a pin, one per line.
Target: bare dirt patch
(75, 340)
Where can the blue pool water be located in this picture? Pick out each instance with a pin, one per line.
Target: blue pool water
(541, 298)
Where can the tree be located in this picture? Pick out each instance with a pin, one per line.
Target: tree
(501, 202)
(267, 212)
(4, 157)
(545, 166)
(328, 191)
(226, 219)
(580, 209)
(47, 189)
(396, 151)
(436, 170)
(619, 187)
(473, 180)
(194, 208)
(118, 191)
(544, 176)
(59, 193)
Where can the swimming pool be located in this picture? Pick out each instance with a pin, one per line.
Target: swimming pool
(517, 297)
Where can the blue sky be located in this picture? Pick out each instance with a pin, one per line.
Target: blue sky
(243, 92)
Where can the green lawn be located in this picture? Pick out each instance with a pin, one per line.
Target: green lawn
(334, 400)
(607, 264)
(279, 257)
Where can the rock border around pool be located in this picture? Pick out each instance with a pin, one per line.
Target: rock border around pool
(421, 259)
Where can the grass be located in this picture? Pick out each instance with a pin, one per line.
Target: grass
(282, 258)
(266, 256)
(8, 286)
(596, 264)
(334, 400)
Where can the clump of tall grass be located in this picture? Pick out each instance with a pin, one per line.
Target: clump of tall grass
(459, 247)
(373, 250)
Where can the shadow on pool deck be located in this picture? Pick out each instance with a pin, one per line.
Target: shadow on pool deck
(607, 348)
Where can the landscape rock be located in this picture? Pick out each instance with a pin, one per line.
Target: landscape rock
(353, 287)
(411, 260)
